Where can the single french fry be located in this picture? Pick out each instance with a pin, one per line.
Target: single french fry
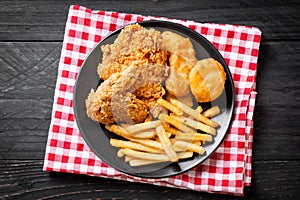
(147, 142)
(144, 134)
(169, 106)
(142, 126)
(118, 130)
(120, 153)
(149, 133)
(193, 113)
(184, 146)
(197, 142)
(173, 131)
(199, 109)
(164, 139)
(145, 156)
(185, 154)
(197, 125)
(194, 136)
(128, 158)
(140, 162)
(174, 122)
(132, 145)
(211, 112)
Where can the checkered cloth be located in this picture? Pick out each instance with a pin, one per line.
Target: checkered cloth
(228, 170)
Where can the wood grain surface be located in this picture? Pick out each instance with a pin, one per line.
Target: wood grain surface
(31, 34)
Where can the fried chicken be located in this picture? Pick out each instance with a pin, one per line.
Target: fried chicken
(136, 57)
(134, 44)
(123, 97)
(179, 45)
(177, 84)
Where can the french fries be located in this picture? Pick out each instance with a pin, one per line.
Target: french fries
(139, 162)
(199, 109)
(131, 129)
(173, 136)
(193, 113)
(145, 156)
(133, 145)
(173, 121)
(197, 125)
(211, 112)
(169, 106)
(164, 139)
(194, 136)
(184, 146)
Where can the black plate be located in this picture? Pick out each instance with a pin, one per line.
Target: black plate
(98, 137)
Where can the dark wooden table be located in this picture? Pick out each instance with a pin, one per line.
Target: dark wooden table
(31, 34)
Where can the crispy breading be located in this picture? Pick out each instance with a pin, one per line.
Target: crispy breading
(178, 81)
(133, 43)
(136, 57)
(122, 97)
(98, 103)
(179, 45)
(180, 64)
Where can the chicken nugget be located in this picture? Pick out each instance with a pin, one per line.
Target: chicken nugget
(207, 80)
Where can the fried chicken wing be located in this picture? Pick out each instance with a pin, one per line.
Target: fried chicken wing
(134, 43)
(177, 83)
(122, 97)
(136, 57)
(179, 45)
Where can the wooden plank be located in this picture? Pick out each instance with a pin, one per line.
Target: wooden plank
(25, 179)
(45, 20)
(25, 109)
(28, 70)
(277, 73)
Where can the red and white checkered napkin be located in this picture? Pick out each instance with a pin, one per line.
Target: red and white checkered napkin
(228, 170)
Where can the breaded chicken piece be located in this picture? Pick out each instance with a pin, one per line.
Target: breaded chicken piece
(136, 57)
(179, 45)
(133, 42)
(98, 103)
(121, 98)
(177, 83)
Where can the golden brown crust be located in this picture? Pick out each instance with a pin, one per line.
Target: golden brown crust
(178, 81)
(136, 57)
(123, 97)
(207, 80)
(131, 38)
(180, 64)
(179, 45)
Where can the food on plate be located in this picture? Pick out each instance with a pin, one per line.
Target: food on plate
(136, 57)
(180, 65)
(169, 106)
(134, 44)
(177, 82)
(179, 45)
(152, 84)
(187, 99)
(207, 79)
(119, 99)
(211, 112)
